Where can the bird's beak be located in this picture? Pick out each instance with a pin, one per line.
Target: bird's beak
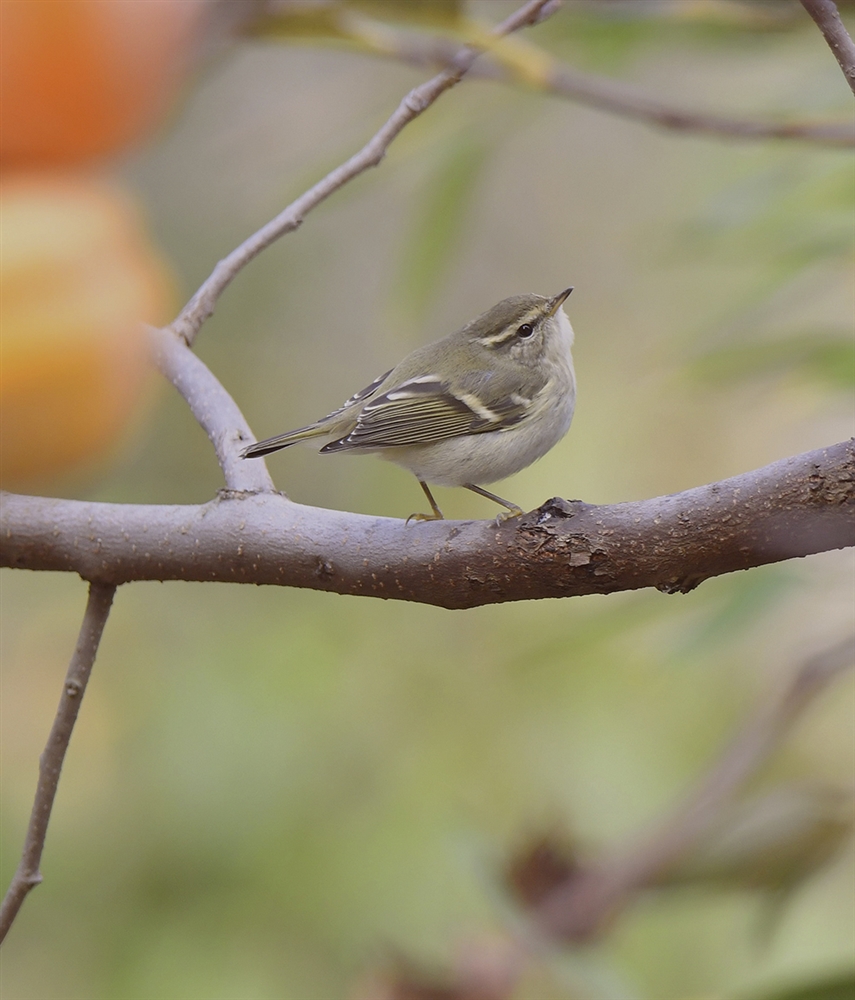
(556, 303)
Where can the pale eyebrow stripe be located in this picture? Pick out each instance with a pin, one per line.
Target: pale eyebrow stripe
(532, 317)
(498, 338)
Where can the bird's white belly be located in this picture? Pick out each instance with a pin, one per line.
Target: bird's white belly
(486, 458)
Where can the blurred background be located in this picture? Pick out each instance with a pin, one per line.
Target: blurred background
(271, 791)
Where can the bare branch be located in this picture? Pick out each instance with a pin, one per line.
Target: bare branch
(826, 15)
(589, 901)
(418, 100)
(623, 99)
(214, 409)
(576, 901)
(794, 507)
(629, 102)
(28, 875)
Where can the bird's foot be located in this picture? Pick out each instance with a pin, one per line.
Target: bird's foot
(437, 515)
(506, 515)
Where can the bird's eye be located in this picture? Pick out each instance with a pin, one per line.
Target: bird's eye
(525, 331)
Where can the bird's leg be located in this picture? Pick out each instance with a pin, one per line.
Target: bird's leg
(437, 514)
(512, 511)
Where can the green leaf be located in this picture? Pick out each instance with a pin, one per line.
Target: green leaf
(343, 19)
(439, 220)
(609, 36)
(739, 605)
(434, 13)
(302, 22)
(803, 213)
(828, 357)
(839, 987)
(772, 841)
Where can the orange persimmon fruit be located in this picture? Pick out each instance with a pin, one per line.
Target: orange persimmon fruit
(81, 79)
(77, 278)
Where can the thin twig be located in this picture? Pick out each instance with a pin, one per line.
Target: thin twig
(827, 17)
(28, 875)
(627, 101)
(616, 97)
(203, 302)
(214, 409)
(586, 904)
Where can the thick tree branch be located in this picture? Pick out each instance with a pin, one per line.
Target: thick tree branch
(794, 507)
(28, 875)
(625, 100)
(826, 15)
(202, 304)
(590, 899)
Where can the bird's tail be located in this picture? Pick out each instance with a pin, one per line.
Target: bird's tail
(283, 440)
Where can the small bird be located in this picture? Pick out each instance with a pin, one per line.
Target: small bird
(475, 407)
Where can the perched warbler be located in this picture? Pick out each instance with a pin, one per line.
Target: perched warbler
(475, 407)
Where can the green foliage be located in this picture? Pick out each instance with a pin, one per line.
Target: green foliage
(334, 21)
(825, 356)
(438, 222)
(608, 36)
(601, 43)
(797, 210)
(789, 214)
(840, 987)
(315, 23)
(728, 614)
(771, 842)
(794, 218)
(435, 13)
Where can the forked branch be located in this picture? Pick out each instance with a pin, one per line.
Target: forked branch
(214, 409)
(590, 900)
(418, 100)
(575, 901)
(625, 100)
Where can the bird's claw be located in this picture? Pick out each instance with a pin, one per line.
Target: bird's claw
(438, 516)
(506, 515)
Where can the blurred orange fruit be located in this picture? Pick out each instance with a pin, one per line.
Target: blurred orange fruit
(77, 275)
(83, 78)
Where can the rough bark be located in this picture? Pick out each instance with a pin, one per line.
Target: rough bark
(794, 507)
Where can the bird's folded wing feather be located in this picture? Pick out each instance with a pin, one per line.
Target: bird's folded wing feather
(424, 410)
(317, 429)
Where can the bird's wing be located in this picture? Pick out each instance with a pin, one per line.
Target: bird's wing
(423, 410)
(357, 397)
(319, 428)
